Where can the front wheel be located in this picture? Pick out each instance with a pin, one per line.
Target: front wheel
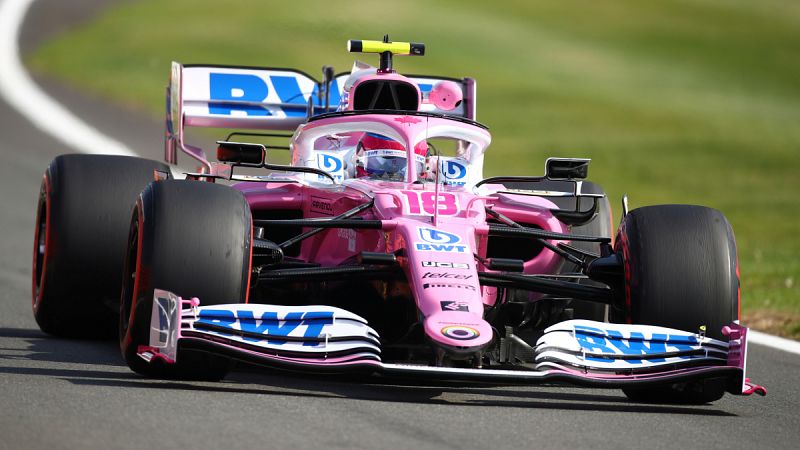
(191, 238)
(681, 272)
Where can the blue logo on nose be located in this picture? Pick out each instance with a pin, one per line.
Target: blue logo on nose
(435, 236)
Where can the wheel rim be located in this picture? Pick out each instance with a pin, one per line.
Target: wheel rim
(129, 276)
(40, 247)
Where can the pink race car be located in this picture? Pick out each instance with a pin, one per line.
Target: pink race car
(380, 248)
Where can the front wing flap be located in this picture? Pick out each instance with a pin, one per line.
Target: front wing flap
(283, 336)
(605, 347)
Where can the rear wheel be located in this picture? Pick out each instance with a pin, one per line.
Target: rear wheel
(82, 220)
(681, 272)
(191, 238)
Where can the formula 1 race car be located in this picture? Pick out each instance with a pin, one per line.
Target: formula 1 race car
(380, 248)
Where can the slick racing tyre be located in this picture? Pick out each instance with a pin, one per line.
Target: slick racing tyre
(681, 271)
(82, 222)
(193, 239)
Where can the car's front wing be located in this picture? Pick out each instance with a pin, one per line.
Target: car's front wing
(328, 339)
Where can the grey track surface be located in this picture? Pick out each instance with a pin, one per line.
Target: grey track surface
(57, 393)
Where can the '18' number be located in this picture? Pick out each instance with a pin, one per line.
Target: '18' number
(425, 203)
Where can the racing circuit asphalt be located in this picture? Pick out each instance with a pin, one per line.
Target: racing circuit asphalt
(57, 393)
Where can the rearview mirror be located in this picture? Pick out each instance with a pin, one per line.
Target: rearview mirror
(566, 168)
(240, 153)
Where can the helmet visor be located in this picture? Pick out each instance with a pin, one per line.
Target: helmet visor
(388, 164)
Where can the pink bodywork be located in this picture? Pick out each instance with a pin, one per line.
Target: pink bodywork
(450, 300)
(438, 232)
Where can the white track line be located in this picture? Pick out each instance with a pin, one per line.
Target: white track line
(759, 338)
(51, 117)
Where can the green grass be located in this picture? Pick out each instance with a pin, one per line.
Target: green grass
(676, 101)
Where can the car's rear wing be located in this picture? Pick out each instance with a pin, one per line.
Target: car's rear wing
(263, 98)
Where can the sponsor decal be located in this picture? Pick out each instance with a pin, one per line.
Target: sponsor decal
(242, 87)
(452, 276)
(460, 332)
(434, 236)
(454, 172)
(445, 265)
(440, 248)
(350, 235)
(424, 202)
(407, 120)
(269, 324)
(386, 152)
(261, 86)
(321, 205)
(454, 306)
(592, 340)
(331, 164)
(439, 241)
(449, 285)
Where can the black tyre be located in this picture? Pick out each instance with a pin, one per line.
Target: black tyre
(191, 238)
(681, 271)
(82, 222)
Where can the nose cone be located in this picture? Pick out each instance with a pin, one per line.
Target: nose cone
(458, 332)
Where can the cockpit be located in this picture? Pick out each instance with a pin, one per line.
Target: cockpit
(393, 146)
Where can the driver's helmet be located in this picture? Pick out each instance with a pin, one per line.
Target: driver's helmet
(381, 157)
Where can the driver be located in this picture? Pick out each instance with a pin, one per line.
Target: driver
(383, 158)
